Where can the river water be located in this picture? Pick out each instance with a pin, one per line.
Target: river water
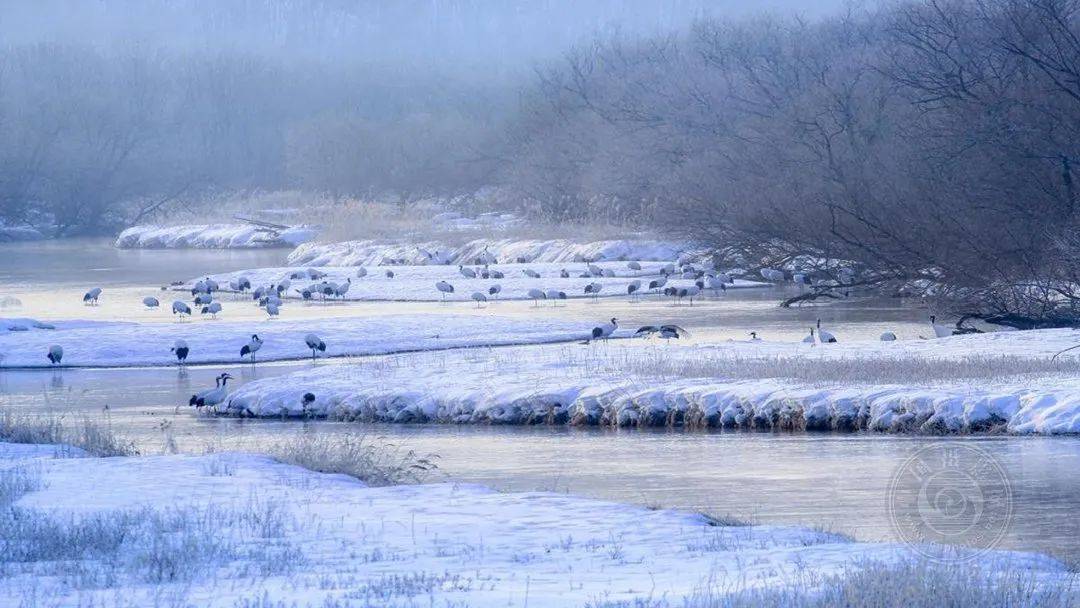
(837, 481)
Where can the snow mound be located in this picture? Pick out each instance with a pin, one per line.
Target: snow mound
(417, 283)
(212, 236)
(331, 538)
(19, 233)
(560, 385)
(373, 253)
(120, 344)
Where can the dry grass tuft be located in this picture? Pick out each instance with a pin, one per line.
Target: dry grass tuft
(371, 460)
(95, 438)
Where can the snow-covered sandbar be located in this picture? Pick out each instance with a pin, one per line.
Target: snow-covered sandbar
(979, 383)
(123, 344)
(243, 530)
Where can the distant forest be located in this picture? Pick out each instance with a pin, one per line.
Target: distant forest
(931, 144)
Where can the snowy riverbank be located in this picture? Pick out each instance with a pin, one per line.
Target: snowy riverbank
(961, 384)
(243, 530)
(211, 236)
(417, 283)
(373, 253)
(121, 344)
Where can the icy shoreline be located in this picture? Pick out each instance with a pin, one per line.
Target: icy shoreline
(259, 529)
(560, 385)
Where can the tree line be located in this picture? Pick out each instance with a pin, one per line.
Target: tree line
(926, 148)
(930, 147)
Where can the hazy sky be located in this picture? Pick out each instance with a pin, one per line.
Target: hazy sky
(476, 32)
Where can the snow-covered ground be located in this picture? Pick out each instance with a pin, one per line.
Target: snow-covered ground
(243, 530)
(732, 384)
(417, 283)
(121, 344)
(372, 253)
(19, 233)
(211, 236)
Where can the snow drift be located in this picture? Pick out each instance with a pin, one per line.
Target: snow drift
(211, 236)
(334, 541)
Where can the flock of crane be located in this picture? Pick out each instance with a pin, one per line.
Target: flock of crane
(270, 298)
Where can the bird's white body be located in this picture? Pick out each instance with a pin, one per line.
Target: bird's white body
(91, 297)
(251, 347)
(444, 288)
(213, 396)
(468, 273)
(181, 308)
(689, 292)
(479, 297)
(940, 331)
(150, 302)
(603, 332)
(536, 295)
(212, 309)
(888, 337)
(494, 290)
(529, 272)
(343, 288)
(315, 344)
(555, 295)
(273, 309)
(361, 272)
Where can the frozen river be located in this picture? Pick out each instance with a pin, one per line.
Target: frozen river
(836, 481)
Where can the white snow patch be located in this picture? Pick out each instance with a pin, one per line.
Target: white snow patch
(119, 344)
(443, 544)
(19, 233)
(211, 236)
(11, 453)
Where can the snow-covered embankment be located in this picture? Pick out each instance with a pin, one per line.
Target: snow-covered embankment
(752, 386)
